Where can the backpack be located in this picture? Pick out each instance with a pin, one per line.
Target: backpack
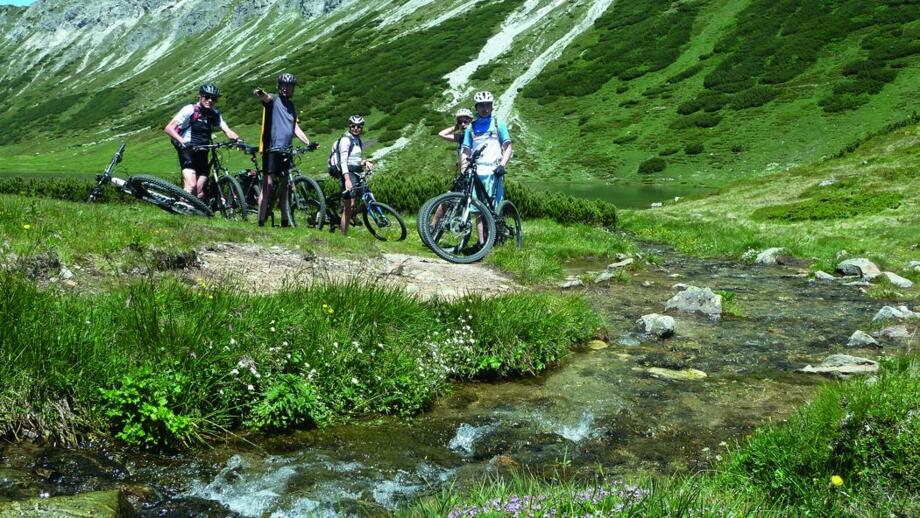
(213, 120)
(334, 168)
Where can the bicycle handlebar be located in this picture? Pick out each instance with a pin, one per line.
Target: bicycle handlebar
(225, 144)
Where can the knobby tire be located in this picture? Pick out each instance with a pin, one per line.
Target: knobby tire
(391, 217)
(454, 205)
(167, 196)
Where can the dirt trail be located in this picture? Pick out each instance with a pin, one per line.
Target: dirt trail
(270, 269)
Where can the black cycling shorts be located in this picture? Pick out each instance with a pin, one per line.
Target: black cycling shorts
(195, 160)
(276, 162)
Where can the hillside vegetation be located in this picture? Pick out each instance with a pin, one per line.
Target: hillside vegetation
(696, 93)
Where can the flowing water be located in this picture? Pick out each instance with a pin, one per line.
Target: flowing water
(598, 408)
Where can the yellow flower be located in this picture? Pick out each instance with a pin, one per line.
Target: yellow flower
(27, 226)
(836, 481)
(211, 297)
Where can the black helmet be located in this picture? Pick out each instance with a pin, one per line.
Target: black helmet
(287, 79)
(209, 89)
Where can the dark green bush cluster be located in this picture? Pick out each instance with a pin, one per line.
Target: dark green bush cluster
(625, 139)
(756, 96)
(653, 165)
(698, 120)
(694, 149)
(633, 39)
(163, 364)
(69, 189)
(844, 199)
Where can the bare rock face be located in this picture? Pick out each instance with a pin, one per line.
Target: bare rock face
(897, 280)
(859, 266)
(697, 300)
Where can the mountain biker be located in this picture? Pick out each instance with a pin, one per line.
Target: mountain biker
(193, 126)
(279, 125)
(349, 150)
(455, 133)
(491, 136)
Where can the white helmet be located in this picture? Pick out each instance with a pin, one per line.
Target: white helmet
(356, 119)
(483, 97)
(463, 112)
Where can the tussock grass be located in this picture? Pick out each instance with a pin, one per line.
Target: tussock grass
(159, 363)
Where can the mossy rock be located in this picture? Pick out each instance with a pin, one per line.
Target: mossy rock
(97, 504)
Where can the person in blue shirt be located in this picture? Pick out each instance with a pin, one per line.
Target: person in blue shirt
(491, 136)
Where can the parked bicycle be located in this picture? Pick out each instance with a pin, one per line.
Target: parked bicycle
(222, 193)
(306, 205)
(448, 223)
(250, 179)
(381, 220)
(150, 189)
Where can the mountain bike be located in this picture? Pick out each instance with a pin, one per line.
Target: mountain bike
(222, 193)
(250, 179)
(149, 188)
(306, 202)
(381, 220)
(448, 223)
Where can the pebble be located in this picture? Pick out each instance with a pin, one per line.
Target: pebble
(571, 283)
(861, 339)
(824, 276)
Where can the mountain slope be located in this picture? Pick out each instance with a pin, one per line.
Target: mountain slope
(713, 90)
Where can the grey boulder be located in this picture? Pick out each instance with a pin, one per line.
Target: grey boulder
(653, 324)
(824, 276)
(897, 280)
(861, 339)
(859, 266)
(697, 300)
(894, 313)
(768, 256)
(843, 366)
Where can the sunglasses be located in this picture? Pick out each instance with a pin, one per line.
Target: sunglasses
(210, 97)
(356, 126)
(464, 121)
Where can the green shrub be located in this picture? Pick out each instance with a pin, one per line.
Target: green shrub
(652, 165)
(626, 139)
(757, 96)
(668, 151)
(289, 402)
(145, 409)
(694, 149)
(832, 204)
(843, 102)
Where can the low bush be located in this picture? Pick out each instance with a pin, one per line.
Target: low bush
(626, 139)
(757, 96)
(653, 165)
(668, 151)
(842, 202)
(843, 102)
(694, 149)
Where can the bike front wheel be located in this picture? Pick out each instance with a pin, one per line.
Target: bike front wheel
(233, 201)
(308, 204)
(167, 196)
(508, 224)
(451, 222)
(384, 222)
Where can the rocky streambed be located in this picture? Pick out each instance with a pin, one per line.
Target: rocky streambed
(664, 393)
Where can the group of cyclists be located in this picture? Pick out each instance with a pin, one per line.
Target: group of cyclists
(483, 136)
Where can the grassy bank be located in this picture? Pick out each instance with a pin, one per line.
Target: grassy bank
(869, 206)
(164, 364)
(107, 234)
(854, 450)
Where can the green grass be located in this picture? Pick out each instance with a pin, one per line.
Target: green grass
(852, 451)
(161, 364)
(873, 209)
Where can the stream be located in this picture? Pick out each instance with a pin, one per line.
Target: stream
(597, 408)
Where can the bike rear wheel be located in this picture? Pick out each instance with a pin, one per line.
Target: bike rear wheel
(234, 202)
(449, 225)
(384, 222)
(308, 204)
(167, 196)
(508, 224)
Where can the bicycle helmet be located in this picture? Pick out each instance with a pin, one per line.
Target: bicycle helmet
(463, 112)
(209, 89)
(483, 97)
(287, 79)
(356, 119)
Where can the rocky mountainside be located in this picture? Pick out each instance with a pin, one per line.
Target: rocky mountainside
(663, 92)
